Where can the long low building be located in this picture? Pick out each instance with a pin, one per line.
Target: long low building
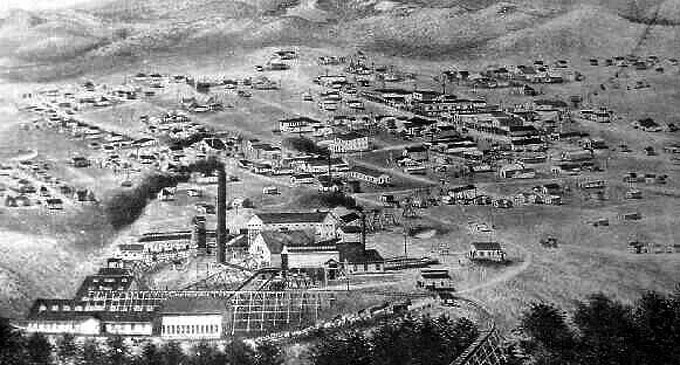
(177, 315)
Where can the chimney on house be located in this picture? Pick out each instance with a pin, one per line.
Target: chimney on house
(221, 228)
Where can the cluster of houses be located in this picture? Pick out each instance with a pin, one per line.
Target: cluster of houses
(19, 189)
(549, 194)
(639, 63)
(309, 168)
(540, 72)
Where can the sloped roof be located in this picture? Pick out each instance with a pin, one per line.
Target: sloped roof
(419, 148)
(194, 306)
(300, 119)
(648, 123)
(131, 247)
(552, 103)
(215, 143)
(165, 236)
(350, 217)
(435, 274)
(239, 241)
(65, 311)
(355, 253)
(350, 136)
(275, 240)
(351, 229)
(486, 246)
(289, 217)
(104, 282)
(459, 189)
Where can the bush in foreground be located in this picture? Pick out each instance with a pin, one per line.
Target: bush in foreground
(403, 341)
(601, 331)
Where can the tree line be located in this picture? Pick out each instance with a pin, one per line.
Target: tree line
(408, 340)
(600, 331)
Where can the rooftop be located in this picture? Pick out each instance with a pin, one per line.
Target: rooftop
(350, 136)
(486, 246)
(350, 217)
(275, 240)
(289, 217)
(194, 306)
(354, 253)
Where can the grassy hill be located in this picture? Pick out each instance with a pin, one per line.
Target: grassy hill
(121, 32)
(607, 34)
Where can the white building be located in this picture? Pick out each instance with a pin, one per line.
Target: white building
(487, 251)
(322, 224)
(309, 257)
(298, 125)
(350, 142)
(370, 176)
(61, 316)
(192, 318)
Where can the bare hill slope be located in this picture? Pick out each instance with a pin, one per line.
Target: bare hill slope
(121, 32)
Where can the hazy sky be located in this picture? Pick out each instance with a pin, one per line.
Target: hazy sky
(38, 4)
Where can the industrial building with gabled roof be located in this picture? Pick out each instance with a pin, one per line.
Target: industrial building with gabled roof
(323, 224)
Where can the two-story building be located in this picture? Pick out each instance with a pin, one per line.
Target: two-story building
(350, 142)
(291, 250)
(298, 125)
(323, 224)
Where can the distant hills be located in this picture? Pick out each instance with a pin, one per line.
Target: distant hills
(118, 32)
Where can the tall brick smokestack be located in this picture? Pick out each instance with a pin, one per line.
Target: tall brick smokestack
(198, 234)
(363, 231)
(221, 213)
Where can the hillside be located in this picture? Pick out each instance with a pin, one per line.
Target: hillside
(608, 34)
(119, 33)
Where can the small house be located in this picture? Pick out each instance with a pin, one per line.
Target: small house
(435, 279)
(166, 194)
(54, 204)
(417, 153)
(131, 252)
(355, 259)
(516, 171)
(637, 247)
(303, 178)
(647, 125)
(487, 251)
(270, 190)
